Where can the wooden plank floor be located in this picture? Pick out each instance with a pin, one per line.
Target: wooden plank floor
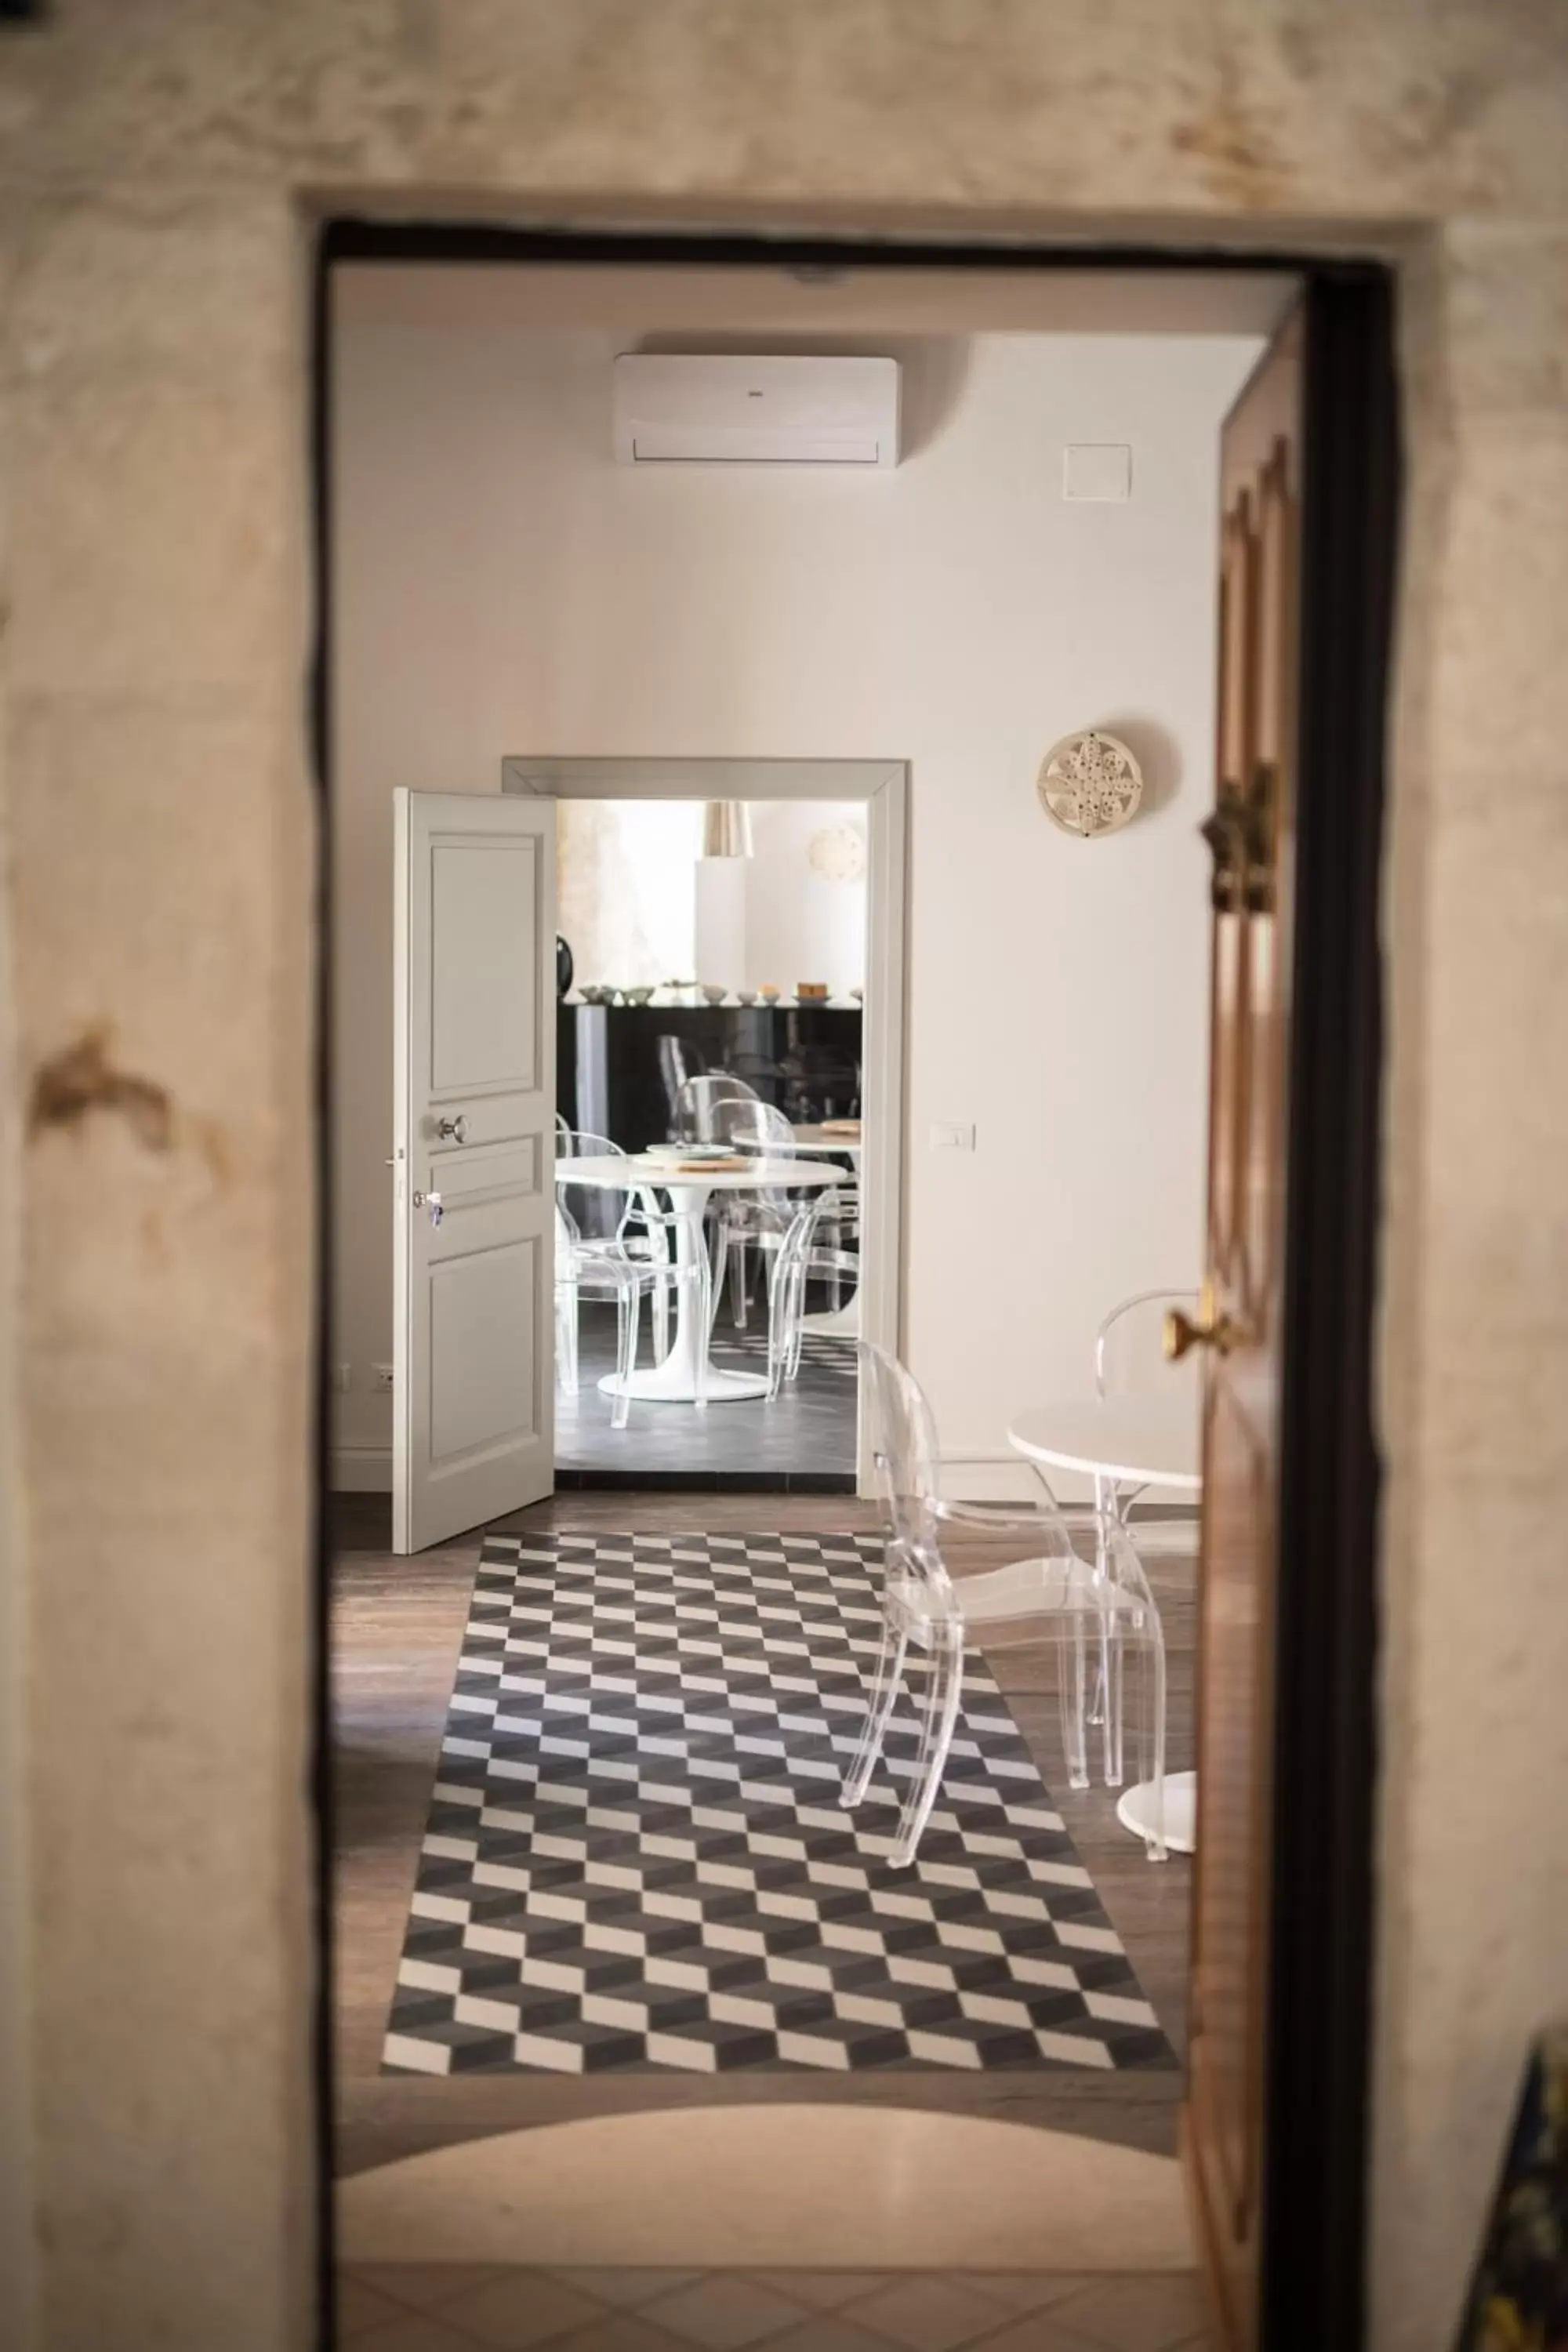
(397, 1629)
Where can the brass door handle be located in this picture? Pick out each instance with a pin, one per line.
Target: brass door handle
(1220, 1332)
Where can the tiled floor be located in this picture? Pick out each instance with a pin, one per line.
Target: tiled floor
(433, 2307)
(809, 1429)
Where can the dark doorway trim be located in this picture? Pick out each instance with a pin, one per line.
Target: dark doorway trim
(1317, 2077)
(1317, 2059)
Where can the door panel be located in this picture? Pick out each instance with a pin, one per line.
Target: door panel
(1250, 834)
(474, 1085)
(484, 998)
(481, 1350)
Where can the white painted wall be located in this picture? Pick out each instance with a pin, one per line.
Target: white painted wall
(799, 925)
(504, 587)
(640, 906)
(625, 877)
(717, 958)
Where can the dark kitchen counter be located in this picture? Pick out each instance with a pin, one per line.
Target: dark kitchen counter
(804, 1058)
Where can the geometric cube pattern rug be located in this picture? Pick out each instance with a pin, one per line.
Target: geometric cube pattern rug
(636, 1860)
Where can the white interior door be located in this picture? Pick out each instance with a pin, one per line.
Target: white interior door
(474, 1148)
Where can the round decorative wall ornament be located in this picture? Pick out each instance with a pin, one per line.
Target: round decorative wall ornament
(1090, 784)
(837, 852)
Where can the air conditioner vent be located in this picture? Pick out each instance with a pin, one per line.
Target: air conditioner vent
(675, 409)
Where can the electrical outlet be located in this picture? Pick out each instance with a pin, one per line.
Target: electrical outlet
(380, 1376)
(952, 1135)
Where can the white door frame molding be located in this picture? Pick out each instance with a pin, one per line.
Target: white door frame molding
(884, 787)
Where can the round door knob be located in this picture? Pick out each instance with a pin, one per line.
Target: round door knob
(455, 1130)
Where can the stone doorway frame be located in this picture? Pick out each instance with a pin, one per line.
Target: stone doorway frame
(1315, 2192)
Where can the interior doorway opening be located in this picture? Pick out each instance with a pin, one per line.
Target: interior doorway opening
(738, 1066)
(979, 1467)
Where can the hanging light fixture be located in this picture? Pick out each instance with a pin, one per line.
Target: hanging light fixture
(726, 829)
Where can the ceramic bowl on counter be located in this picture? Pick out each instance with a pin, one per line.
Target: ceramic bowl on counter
(713, 993)
(768, 992)
(745, 996)
(637, 995)
(592, 993)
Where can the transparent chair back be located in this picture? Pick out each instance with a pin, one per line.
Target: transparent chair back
(905, 1462)
(759, 1125)
(1129, 1347)
(596, 1212)
(756, 1127)
(698, 1097)
(679, 1060)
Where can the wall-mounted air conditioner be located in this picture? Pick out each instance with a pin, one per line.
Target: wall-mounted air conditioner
(672, 409)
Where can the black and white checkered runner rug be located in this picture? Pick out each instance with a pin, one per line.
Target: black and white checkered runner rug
(635, 1856)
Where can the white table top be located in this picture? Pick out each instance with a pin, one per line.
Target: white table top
(1149, 1440)
(626, 1175)
(809, 1138)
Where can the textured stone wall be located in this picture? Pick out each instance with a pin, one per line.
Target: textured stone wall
(157, 161)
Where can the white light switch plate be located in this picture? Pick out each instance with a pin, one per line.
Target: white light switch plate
(1097, 469)
(952, 1135)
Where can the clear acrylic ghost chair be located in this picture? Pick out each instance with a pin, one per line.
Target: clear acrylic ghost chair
(764, 1127)
(1103, 1599)
(740, 1219)
(801, 1257)
(641, 1256)
(602, 1223)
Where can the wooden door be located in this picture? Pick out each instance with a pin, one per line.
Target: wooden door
(474, 1154)
(1251, 832)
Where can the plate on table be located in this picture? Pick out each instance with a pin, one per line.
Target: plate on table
(688, 1151)
(704, 1163)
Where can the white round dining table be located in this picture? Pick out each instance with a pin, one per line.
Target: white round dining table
(676, 1381)
(1125, 1444)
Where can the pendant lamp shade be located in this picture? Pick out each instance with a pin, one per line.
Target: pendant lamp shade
(726, 829)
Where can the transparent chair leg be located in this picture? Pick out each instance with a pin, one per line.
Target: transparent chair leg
(944, 1688)
(739, 1271)
(885, 1682)
(717, 1261)
(700, 1274)
(795, 1334)
(1154, 1661)
(783, 1316)
(629, 1299)
(1105, 1514)
(1071, 1664)
(1112, 1659)
(661, 1317)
